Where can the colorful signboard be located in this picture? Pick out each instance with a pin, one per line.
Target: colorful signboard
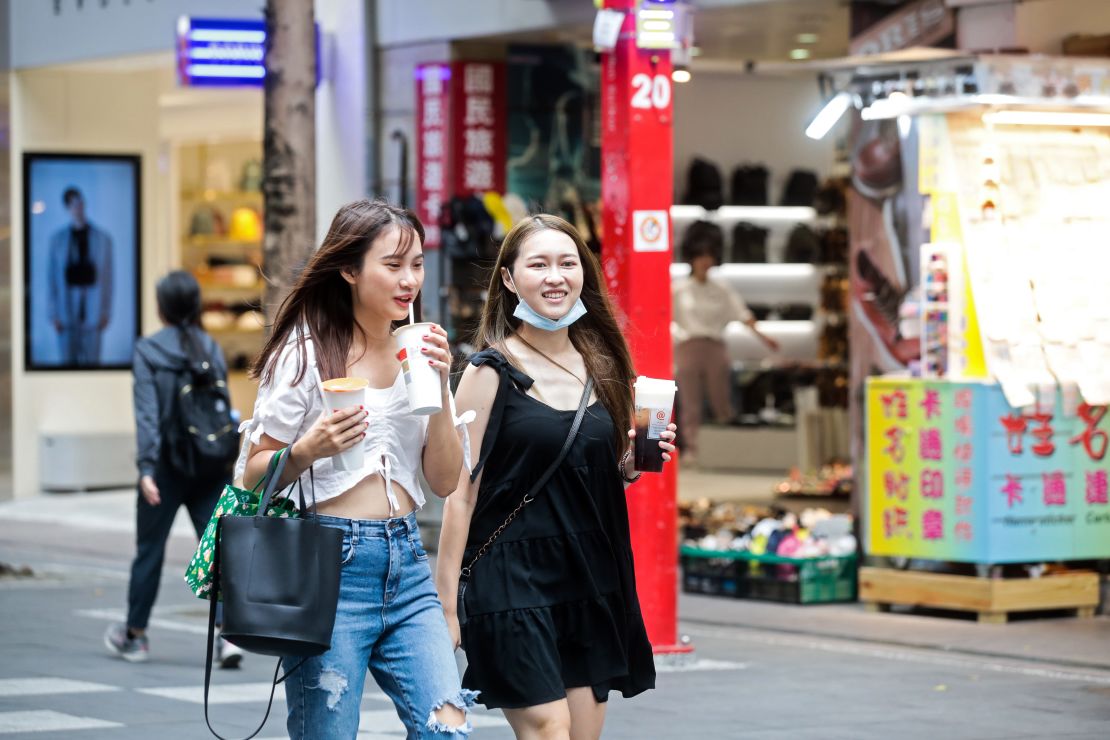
(433, 112)
(956, 474)
(460, 136)
(478, 123)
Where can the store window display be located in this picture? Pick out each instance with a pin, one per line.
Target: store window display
(703, 307)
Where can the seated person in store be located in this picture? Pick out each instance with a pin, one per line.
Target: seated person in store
(702, 308)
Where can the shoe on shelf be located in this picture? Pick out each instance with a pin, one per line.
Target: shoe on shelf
(132, 649)
(227, 655)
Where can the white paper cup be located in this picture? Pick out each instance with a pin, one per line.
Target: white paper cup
(343, 393)
(422, 381)
(654, 403)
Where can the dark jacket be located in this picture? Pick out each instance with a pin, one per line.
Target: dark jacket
(158, 361)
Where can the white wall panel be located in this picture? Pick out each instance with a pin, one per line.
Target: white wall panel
(41, 36)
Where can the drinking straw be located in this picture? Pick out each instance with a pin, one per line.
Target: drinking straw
(412, 314)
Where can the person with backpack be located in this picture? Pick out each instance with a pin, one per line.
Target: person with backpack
(187, 443)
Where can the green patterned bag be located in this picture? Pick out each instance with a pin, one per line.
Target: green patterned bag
(233, 502)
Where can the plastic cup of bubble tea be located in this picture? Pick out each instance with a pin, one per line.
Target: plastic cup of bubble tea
(343, 393)
(654, 403)
(422, 381)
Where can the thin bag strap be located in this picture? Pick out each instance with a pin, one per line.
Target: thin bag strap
(540, 482)
(273, 474)
(211, 646)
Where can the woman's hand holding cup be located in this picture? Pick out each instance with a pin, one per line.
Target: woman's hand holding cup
(333, 433)
(438, 353)
(666, 442)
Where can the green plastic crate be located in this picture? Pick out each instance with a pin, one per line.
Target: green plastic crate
(823, 580)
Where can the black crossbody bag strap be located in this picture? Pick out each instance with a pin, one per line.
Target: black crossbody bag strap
(529, 497)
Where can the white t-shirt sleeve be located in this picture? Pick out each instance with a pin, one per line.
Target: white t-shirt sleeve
(282, 403)
(740, 311)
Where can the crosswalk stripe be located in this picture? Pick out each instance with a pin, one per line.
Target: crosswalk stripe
(48, 721)
(383, 724)
(700, 664)
(233, 693)
(386, 721)
(117, 615)
(45, 686)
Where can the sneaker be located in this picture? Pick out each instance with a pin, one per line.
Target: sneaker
(227, 655)
(131, 649)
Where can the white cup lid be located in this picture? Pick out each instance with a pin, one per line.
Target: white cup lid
(645, 384)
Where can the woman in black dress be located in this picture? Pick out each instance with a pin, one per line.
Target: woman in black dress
(551, 620)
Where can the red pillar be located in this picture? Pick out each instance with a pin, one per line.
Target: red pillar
(636, 191)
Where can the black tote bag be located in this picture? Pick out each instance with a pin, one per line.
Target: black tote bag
(279, 579)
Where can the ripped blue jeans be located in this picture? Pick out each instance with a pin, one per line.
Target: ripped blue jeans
(389, 620)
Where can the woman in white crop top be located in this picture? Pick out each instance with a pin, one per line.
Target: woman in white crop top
(336, 322)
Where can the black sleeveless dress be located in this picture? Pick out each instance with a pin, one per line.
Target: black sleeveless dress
(552, 605)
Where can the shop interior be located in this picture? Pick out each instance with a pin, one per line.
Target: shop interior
(777, 199)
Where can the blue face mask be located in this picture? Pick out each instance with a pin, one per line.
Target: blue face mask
(525, 313)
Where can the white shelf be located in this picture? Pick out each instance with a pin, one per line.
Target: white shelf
(754, 214)
(766, 282)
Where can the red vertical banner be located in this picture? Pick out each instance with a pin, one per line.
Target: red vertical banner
(637, 193)
(478, 127)
(433, 146)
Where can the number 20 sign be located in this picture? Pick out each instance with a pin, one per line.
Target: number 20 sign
(651, 92)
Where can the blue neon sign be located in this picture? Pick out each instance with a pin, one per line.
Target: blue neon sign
(224, 52)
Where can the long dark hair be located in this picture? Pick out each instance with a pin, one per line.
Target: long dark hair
(321, 298)
(596, 336)
(178, 297)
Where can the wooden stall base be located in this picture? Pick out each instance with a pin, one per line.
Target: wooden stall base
(993, 599)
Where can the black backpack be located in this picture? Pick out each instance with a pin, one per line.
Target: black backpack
(749, 243)
(199, 437)
(749, 185)
(704, 186)
(800, 189)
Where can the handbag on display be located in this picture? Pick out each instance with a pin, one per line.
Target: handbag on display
(800, 189)
(280, 584)
(465, 573)
(802, 247)
(749, 185)
(704, 185)
(749, 243)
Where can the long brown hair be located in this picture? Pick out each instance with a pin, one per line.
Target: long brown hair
(321, 298)
(596, 336)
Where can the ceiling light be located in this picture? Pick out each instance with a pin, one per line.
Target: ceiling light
(807, 38)
(799, 54)
(681, 75)
(829, 115)
(1045, 118)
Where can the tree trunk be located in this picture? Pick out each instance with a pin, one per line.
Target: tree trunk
(289, 146)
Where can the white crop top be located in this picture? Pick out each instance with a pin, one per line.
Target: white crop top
(394, 439)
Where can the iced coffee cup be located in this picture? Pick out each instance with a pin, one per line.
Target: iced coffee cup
(422, 381)
(343, 393)
(654, 402)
